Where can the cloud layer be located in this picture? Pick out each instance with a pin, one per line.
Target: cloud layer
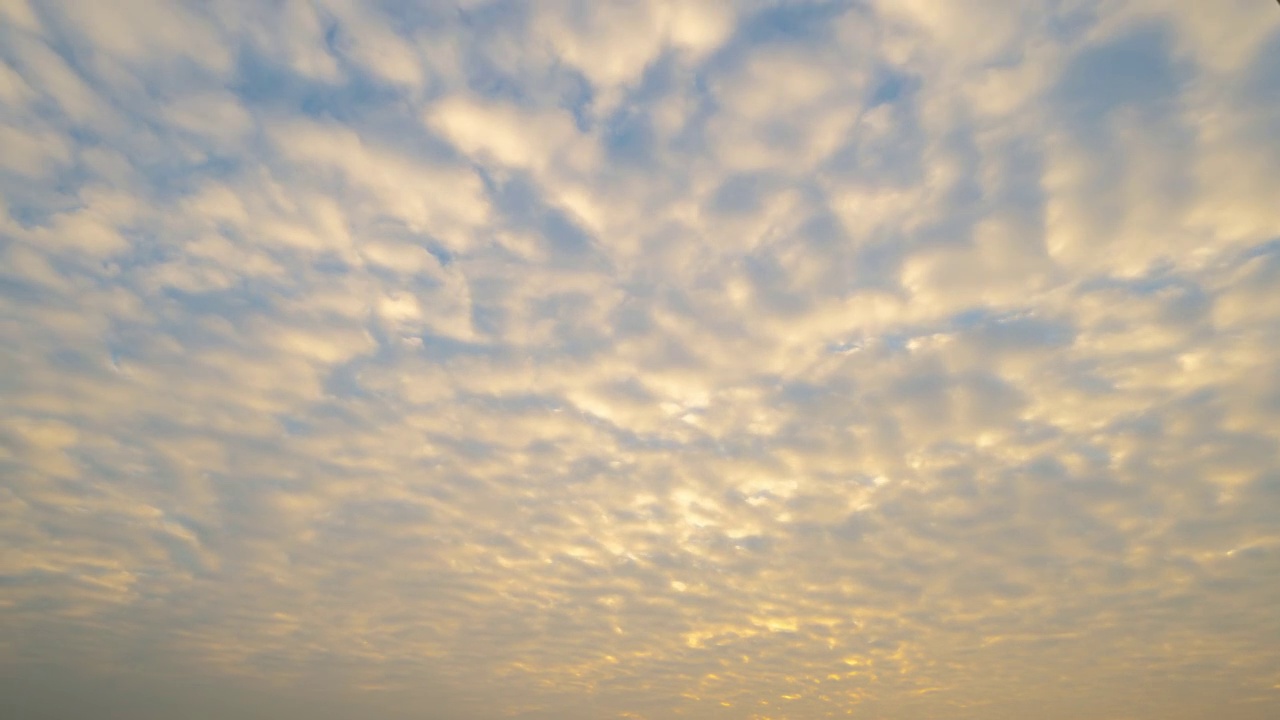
(641, 360)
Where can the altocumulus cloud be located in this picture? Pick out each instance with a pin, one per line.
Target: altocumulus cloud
(761, 359)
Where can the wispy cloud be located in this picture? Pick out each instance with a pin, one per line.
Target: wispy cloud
(645, 360)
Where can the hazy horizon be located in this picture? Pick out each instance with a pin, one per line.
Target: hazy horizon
(639, 359)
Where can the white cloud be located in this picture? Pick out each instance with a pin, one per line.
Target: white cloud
(503, 134)
(612, 45)
(45, 70)
(14, 91)
(446, 201)
(147, 32)
(775, 360)
(33, 154)
(372, 44)
(216, 115)
(1223, 39)
(295, 32)
(21, 14)
(971, 34)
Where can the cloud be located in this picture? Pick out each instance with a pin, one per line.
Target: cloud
(613, 46)
(560, 360)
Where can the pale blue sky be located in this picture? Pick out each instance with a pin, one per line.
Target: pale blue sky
(643, 359)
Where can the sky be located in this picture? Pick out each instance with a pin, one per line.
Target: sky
(639, 359)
